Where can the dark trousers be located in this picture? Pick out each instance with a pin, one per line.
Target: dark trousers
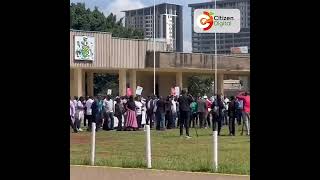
(184, 121)
(202, 119)
(169, 123)
(193, 120)
(108, 121)
(139, 119)
(208, 123)
(119, 121)
(150, 118)
(89, 117)
(73, 125)
(216, 123)
(179, 117)
(239, 116)
(232, 128)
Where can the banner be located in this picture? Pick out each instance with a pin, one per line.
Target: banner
(240, 50)
(139, 90)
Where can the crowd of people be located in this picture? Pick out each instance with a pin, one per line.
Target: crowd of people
(161, 113)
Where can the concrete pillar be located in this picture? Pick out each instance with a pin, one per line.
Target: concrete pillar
(77, 82)
(122, 82)
(220, 88)
(179, 80)
(133, 81)
(90, 83)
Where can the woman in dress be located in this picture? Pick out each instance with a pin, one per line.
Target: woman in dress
(131, 122)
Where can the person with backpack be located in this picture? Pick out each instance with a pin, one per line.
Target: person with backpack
(202, 111)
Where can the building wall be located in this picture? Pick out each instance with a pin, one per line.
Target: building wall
(113, 53)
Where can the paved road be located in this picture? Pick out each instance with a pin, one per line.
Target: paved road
(110, 173)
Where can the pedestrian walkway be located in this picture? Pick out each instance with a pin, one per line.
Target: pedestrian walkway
(107, 173)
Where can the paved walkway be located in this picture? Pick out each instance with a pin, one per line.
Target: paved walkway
(111, 173)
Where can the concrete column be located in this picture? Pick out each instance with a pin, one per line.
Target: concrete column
(77, 82)
(179, 80)
(122, 82)
(90, 83)
(133, 81)
(220, 83)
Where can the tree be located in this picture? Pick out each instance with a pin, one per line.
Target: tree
(87, 20)
(200, 85)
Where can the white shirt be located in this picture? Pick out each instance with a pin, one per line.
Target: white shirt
(88, 106)
(174, 106)
(80, 106)
(109, 105)
(138, 107)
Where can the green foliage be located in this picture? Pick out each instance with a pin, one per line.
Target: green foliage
(103, 82)
(87, 20)
(200, 85)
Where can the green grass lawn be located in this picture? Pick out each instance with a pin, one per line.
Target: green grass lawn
(169, 151)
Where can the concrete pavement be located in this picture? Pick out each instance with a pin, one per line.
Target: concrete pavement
(113, 173)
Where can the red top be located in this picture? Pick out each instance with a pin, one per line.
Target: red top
(246, 102)
(209, 103)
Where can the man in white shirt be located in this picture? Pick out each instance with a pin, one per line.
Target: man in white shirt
(109, 120)
(89, 111)
(174, 112)
(139, 105)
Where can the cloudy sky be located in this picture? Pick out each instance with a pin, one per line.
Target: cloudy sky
(115, 6)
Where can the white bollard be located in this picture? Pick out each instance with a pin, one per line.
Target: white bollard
(93, 143)
(215, 150)
(148, 146)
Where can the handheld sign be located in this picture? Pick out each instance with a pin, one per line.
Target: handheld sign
(109, 92)
(139, 90)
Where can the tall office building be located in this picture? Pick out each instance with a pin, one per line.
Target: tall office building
(204, 43)
(168, 23)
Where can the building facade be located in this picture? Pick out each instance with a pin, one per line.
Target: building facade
(204, 43)
(168, 23)
(132, 61)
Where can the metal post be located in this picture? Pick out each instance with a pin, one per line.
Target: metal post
(93, 143)
(148, 146)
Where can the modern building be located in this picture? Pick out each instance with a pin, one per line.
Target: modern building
(204, 43)
(132, 61)
(168, 23)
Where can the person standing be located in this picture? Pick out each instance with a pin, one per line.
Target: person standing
(72, 116)
(232, 114)
(119, 110)
(194, 114)
(239, 108)
(168, 115)
(208, 112)
(150, 113)
(217, 107)
(184, 103)
(245, 97)
(202, 110)
(160, 113)
(108, 116)
(79, 113)
(95, 113)
(138, 105)
(131, 119)
(89, 111)
(174, 112)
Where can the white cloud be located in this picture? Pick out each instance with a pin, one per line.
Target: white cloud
(117, 6)
(187, 46)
